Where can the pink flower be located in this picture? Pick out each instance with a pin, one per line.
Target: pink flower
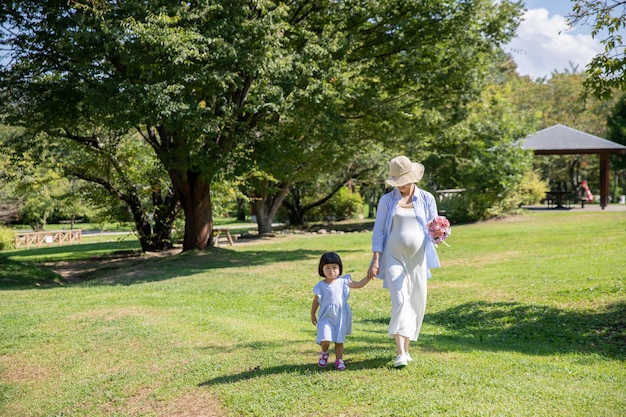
(439, 230)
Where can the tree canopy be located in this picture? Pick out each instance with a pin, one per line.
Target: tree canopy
(203, 82)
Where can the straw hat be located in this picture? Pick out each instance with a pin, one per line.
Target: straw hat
(402, 171)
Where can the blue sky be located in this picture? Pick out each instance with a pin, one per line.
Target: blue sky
(544, 43)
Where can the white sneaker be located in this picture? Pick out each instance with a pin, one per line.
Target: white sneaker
(408, 357)
(401, 361)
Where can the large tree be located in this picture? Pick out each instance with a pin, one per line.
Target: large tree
(202, 81)
(402, 73)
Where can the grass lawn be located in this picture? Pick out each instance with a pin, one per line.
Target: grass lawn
(527, 317)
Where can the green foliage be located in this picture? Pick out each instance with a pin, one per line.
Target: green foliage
(605, 73)
(41, 192)
(7, 238)
(481, 155)
(532, 189)
(616, 126)
(210, 83)
(461, 208)
(225, 195)
(345, 204)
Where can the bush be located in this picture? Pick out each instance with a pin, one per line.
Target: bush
(345, 204)
(532, 189)
(7, 238)
(465, 207)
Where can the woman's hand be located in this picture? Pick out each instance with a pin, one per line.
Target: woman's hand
(373, 270)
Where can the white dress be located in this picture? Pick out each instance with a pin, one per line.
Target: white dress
(334, 318)
(406, 274)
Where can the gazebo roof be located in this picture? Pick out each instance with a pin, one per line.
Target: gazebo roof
(560, 139)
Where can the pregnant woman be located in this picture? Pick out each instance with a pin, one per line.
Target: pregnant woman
(403, 252)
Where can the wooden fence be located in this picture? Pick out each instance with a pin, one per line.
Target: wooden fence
(39, 239)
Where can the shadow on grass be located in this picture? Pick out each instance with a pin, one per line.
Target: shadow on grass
(73, 252)
(127, 266)
(525, 328)
(373, 343)
(19, 275)
(531, 329)
(309, 369)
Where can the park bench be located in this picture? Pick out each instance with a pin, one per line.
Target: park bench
(447, 194)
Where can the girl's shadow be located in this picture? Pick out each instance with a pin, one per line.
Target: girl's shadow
(258, 371)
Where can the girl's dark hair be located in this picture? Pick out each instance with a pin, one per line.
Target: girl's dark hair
(330, 258)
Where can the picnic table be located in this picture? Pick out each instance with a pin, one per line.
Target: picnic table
(217, 233)
(563, 199)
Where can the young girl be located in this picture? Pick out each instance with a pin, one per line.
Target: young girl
(335, 316)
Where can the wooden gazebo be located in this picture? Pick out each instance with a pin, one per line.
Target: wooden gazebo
(563, 140)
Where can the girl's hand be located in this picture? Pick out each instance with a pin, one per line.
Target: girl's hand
(314, 320)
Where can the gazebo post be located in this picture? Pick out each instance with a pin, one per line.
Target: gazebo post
(604, 179)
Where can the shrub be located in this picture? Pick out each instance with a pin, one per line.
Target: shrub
(464, 207)
(7, 238)
(532, 189)
(345, 204)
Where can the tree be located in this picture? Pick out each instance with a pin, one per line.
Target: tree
(605, 72)
(307, 154)
(320, 192)
(385, 99)
(202, 81)
(10, 202)
(616, 127)
(481, 156)
(109, 167)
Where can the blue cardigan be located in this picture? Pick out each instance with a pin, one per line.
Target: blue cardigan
(425, 208)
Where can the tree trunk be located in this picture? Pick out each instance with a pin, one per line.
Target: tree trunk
(263, 218)
(295, 211)
(296, 215)
(144, 230)
(242, 209)
(265, 209)
(165, 211)
(194, 194)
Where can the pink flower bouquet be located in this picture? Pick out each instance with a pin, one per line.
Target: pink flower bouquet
(439, 230)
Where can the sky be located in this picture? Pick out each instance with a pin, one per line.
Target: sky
(544, 43)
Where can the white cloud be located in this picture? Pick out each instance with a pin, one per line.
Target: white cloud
(543, 44)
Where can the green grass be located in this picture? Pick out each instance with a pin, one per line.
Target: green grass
(526, 317)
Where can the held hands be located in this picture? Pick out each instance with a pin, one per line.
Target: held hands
(373, 270)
